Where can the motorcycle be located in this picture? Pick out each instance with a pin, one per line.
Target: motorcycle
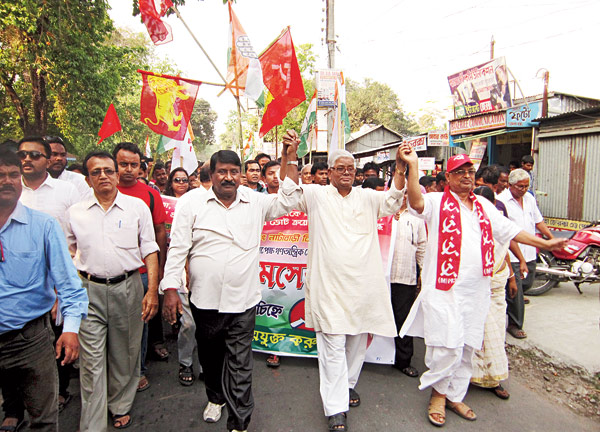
(577, 262)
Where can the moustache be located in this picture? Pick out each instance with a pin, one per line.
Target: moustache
(28, 165)
(227, 183)
(7, 188)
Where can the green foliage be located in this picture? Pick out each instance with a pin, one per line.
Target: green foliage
(375, 103)
(203, 126)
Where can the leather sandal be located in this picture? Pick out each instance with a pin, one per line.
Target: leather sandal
(500, 391)
(337, 422)
(16, 428)
(462, 410)
(437, 405)
(118, 418)
(186, 375)
(354, 400)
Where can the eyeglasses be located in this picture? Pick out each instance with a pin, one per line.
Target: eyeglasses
(54, 139)
(342, 170)
(462, 172)
(107, 171)
(33, 155)
(180, 180)
(521, 187)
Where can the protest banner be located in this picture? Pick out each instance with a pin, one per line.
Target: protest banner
(417, 143)
(280, 321)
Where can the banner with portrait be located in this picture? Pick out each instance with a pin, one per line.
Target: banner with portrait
(480, 89)
(280, 319)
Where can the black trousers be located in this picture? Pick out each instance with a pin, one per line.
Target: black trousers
(515, 307)
(225, 354)
(28, 374)
(403, 297)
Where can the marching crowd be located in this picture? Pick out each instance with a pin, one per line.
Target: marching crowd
(87, 262)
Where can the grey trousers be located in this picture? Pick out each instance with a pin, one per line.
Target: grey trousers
(109, 361)
(515, 307)
(28, 369)
(186, 340)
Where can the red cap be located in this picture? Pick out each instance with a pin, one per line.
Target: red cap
(457, 161)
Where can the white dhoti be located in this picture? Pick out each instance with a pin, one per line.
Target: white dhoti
(449, 371)
(340, 360)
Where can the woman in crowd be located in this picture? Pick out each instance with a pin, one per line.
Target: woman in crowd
(178, 183)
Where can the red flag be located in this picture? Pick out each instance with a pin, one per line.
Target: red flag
(110, 125)
(159, 31)
(281, 75)
(167, 103)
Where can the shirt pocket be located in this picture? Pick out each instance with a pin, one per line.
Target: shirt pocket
(245, 235)
(362, 222)
(126, 236)
(23, 266)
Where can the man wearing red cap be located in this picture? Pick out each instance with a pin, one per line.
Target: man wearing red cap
(451, 309)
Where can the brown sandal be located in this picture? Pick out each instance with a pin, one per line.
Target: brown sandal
(462, 410)
(437, 405)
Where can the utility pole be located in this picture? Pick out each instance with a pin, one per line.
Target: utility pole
(492, 42)
(545, 97)
(330, 39)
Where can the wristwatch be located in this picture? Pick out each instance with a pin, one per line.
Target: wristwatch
(293, 163)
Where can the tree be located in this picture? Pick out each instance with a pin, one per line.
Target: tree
(203, 126)
(375, 103)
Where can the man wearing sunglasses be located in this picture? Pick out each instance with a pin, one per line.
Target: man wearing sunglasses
(110, 236)
(58, 162)
(33, 258)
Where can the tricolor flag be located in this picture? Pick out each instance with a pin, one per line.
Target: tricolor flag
(243, 67)
(148, 148)
(308, 134)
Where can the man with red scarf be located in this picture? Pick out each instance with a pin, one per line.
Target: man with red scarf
(451, 309)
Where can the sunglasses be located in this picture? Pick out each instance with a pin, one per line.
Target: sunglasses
(180, 180)
(33, 155)
(107, 171)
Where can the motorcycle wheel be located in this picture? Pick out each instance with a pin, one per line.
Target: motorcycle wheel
(543, 282)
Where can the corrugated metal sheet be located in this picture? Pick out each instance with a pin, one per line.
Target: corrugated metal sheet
(552, 176)
(591, 195)
(573, 103)
(568, 172)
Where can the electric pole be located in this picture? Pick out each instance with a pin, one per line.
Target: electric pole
(330, 39)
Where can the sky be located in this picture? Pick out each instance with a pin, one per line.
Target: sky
(411, 46)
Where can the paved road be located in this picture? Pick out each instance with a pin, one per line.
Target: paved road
(287, 399)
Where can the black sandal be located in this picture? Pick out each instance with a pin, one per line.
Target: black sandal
(20, 424)
(337, 422)
(354, 398)
(116, 418)
(186, 372)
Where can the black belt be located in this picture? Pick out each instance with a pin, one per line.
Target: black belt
(107, 281)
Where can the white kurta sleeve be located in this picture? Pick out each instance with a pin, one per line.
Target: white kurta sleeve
(179, 248)
(390, 201)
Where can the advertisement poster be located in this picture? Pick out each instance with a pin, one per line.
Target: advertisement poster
(438, 139)
(524, 115)
(480, 89)
(280, 320)
(478, 147)
(326, 86)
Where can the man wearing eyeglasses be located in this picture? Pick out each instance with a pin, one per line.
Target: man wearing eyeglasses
(33, 258)
(110, 236)
(58, 162)
(41, 191)
(522, 210)
(347, 296)
(451, 309)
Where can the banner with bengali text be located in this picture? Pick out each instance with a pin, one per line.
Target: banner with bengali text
(280, 320)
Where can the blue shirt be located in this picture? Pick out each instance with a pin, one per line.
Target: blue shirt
(34, 250)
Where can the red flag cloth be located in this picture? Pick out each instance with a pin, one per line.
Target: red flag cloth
(167, 103)
(281, 75)
(159, 31)
(110, 125)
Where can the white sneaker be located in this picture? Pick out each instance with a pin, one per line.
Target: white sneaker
(212, 412)
(235, 430)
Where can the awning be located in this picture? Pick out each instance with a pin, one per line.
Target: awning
(485, 135)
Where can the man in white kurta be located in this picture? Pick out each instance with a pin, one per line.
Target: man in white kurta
(347, 296)
(452, 321)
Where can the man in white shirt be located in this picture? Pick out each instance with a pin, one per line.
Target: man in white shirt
(347, 296)
(58, 162)
(40, 190)
(523, 211)
(110, 236)
(409, 250)
(219, 231)
(451, 308)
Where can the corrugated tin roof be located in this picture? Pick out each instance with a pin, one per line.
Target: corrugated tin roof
(592, 112)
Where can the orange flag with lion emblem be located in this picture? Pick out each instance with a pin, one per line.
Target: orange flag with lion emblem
(167, 103)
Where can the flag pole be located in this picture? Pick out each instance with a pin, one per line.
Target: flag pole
(205, 53)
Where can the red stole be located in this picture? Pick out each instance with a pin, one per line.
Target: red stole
(450, 240)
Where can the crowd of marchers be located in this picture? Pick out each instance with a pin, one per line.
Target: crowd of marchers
(90, 272)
